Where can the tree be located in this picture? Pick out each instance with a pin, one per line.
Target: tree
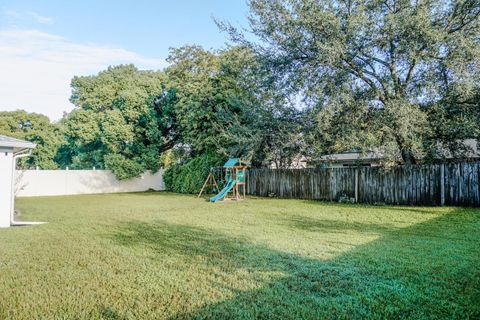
(35, 128)
(279, 139)
(214, 107)
(123, 121)
(381, 62)
(227, 105)
(204, 104)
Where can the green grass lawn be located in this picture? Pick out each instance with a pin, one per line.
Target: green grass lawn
(160, 255)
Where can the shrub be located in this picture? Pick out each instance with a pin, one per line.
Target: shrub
(122, 167)
(344, 198)
(190, 176)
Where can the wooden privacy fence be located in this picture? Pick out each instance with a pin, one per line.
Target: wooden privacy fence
(436, 184)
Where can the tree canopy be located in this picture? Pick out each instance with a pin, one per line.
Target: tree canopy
(205, 102)
(122, 121)
(35, 128)
(374, 71)
(395, 76)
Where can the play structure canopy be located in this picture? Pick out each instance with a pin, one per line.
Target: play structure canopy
(231, 162)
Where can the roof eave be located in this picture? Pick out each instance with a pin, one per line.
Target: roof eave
(17, 151)
(16, 144)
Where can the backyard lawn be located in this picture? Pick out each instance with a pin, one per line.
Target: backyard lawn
(161, 255)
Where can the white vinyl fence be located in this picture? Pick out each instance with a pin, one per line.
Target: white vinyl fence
(68, 182)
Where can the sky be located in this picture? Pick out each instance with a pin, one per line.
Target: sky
(43, 44)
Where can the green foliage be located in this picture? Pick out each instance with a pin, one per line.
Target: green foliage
(38, 129)
(398, 77)
(122, 167)
(214, 108)
(227, 105)
(205, 102)
(125, 256)
(190, 176)
(123, 121)
(453, 119)
(387, 60)
(280, 138)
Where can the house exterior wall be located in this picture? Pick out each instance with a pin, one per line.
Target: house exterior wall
(6, 163)
(31, 183)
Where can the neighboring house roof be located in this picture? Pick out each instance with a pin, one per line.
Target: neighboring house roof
(16, 144)
(469, 149)
(470, 146)
(352, 156)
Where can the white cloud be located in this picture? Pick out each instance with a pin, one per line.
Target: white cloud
(37, 67)
(28, 15)
(39, 18)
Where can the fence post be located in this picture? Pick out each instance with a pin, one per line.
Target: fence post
(442, 184)
(356, 185)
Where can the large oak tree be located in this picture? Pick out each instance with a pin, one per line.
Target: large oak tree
(374, 70)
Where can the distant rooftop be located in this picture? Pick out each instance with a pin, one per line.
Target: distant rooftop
(352, 156)
(471, 150)
(16, 144)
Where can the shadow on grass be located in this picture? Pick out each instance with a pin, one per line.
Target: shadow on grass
(154, 193)
(429, 270)
(406, 208)
(324, 225)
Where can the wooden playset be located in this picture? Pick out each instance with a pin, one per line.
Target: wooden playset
(235, 184)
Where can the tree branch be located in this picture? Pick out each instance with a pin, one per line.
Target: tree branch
(169, 144)
(358, 72)
(409, 73)
(464, 19)
(373, 73)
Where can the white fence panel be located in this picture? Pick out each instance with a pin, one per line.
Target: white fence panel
(68, 182)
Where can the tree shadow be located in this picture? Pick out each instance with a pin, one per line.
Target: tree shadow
(325, 225)
(428, 270)
(194, 243)
(156, 193)
(417, 209)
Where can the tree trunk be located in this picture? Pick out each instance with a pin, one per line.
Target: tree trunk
(408, 156)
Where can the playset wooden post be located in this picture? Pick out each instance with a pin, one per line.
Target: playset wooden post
(211, 180)
(235, 174)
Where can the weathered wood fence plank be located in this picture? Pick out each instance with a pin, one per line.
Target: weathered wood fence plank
(436, 184)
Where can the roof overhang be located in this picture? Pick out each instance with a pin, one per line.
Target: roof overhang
(8, 144)
(352, 156)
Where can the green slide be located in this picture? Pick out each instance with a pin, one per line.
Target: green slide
(231, 183)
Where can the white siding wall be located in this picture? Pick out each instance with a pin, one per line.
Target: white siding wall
(68, 182)
(6, 164)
